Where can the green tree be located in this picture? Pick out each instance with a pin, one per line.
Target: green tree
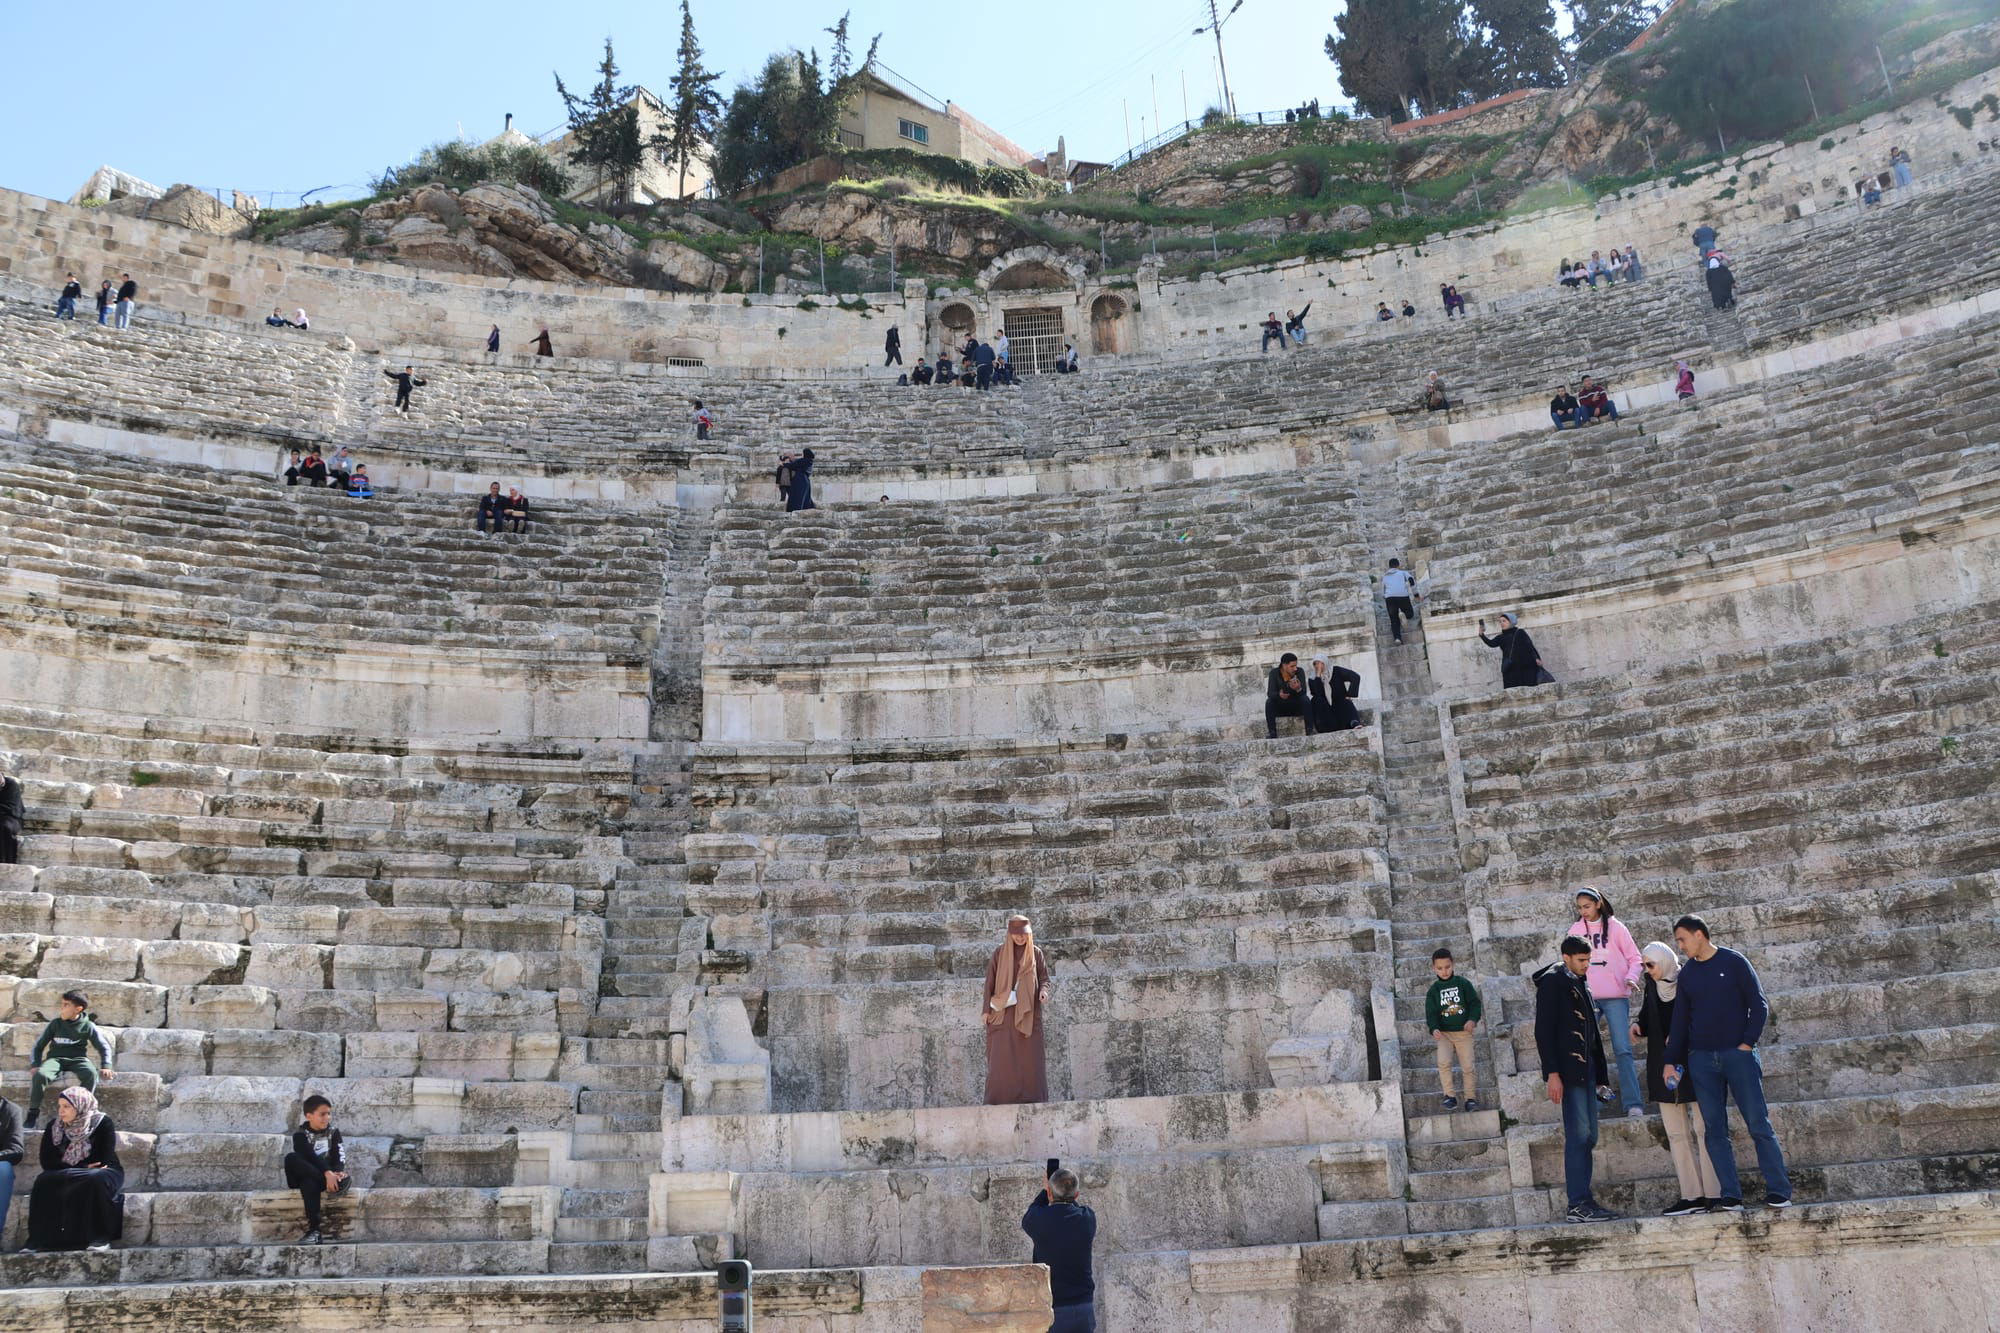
(604, 127)
(1742, 67)
(1600, 29)
(696, 107)
(1517, 46)
(1404, 58)
(789, 113)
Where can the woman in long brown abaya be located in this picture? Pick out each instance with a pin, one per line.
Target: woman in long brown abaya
(1017, 986)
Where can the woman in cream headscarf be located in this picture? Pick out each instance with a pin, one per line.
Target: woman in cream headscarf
(1678, 1110)
(1017, 986)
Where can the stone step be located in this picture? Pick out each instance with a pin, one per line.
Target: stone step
(1462, 1214)
(604, 1203)
(1469, 1183)
(574, 1230)
(598, 1256)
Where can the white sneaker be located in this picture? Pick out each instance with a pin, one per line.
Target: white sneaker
(1636, 1113)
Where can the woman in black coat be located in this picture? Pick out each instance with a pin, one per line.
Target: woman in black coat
(1680, 1116)
(1520, 663)
(801, 494)
(77, 1202)
(1721, 282)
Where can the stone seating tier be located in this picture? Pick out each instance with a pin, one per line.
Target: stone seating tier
(200, 550)
(478, 416)
(1778, 465)
(875, 865)
(1137, 1032)
(1268, 1167)
(1214, 559)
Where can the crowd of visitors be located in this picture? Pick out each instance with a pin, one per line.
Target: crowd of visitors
(339, 471)
(1702, 1011)
(115, 302)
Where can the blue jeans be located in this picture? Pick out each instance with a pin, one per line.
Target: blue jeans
(1268, 336)
(1565, 418)
(65, 307)
(1903, 176)
(1583, 414)
(1579, 1140)
(124, 314)
(1075, 1318)
(104, 314)
(1741, 1075)
(6, 1193)
(1618, 1017)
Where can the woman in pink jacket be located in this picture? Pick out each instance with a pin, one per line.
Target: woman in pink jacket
(1616, 966)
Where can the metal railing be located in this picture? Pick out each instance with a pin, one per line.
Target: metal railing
(1186, 127)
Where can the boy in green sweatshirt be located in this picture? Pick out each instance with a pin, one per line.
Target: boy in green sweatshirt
(64, 1048)
(1451, 1011)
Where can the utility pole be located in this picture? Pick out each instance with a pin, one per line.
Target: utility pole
(1887, 82)
(1186, 115)
(1127, 105)
(1215, 26)
(1158, 124)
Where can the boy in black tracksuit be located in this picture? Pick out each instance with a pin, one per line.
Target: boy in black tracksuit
(317, 1164)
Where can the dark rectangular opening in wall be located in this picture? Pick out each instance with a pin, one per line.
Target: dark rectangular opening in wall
(1374, 1043)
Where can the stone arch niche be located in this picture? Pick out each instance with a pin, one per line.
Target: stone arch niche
(1107, 325)
(1033, 268)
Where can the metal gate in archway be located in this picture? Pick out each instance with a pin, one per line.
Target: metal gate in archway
(1034, 338)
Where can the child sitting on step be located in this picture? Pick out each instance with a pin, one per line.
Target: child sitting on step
(317, 1164)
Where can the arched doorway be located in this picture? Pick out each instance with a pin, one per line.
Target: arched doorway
(954, 322)
(1107, 325)
(1031, 275)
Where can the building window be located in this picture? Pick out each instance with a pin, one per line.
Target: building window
(909, 129)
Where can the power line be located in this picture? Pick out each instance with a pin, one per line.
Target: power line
(1178, 37)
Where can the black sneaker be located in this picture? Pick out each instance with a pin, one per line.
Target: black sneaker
(1589, 1212)
(1450, 1103)
(1686, 1208)
(33, 1115)
(1727, 1204)
(311, 1237)
(1777, 1201)
(1472, 1103)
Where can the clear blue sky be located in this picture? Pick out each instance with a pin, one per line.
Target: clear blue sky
(272, 97)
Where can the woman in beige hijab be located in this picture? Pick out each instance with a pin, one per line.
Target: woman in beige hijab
(1017, 986)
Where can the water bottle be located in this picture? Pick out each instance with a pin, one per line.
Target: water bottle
(1672, 1077)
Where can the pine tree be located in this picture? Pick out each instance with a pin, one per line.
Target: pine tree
(1518, 47)
(697, 108)
(1403, 57)
(604, 127)
(1600, 29)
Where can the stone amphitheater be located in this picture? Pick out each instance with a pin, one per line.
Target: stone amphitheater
(627, 883)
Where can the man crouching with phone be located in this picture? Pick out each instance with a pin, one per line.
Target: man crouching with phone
(1063, 1231)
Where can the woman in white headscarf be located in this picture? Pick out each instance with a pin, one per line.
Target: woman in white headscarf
(1017, 986)
(1679, 1112)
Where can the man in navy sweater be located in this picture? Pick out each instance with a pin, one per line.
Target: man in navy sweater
(1718, 1017)
(1063, 1231)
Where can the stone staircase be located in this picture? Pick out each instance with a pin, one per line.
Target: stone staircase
(1458, 1175)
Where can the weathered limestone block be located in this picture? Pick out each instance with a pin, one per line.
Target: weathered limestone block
(288, 966)
(167, 1052)
(472, 1056)
(26, 911)
(506, 1108)
(476, 1160)
(513, 1011)
(411, 927)
(410, 1011)
(218, 923)
(381, 1054)
(726, 1072)
(18, 953)
(275, 1053)
(156, 799)
(214, 1007)
(377, 967)
(124, 918)
(187, 962)
(115, 1004)
(326, 1010)
(977, 1300)
(478, 969)
(405, 1107)
(232, 1104)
